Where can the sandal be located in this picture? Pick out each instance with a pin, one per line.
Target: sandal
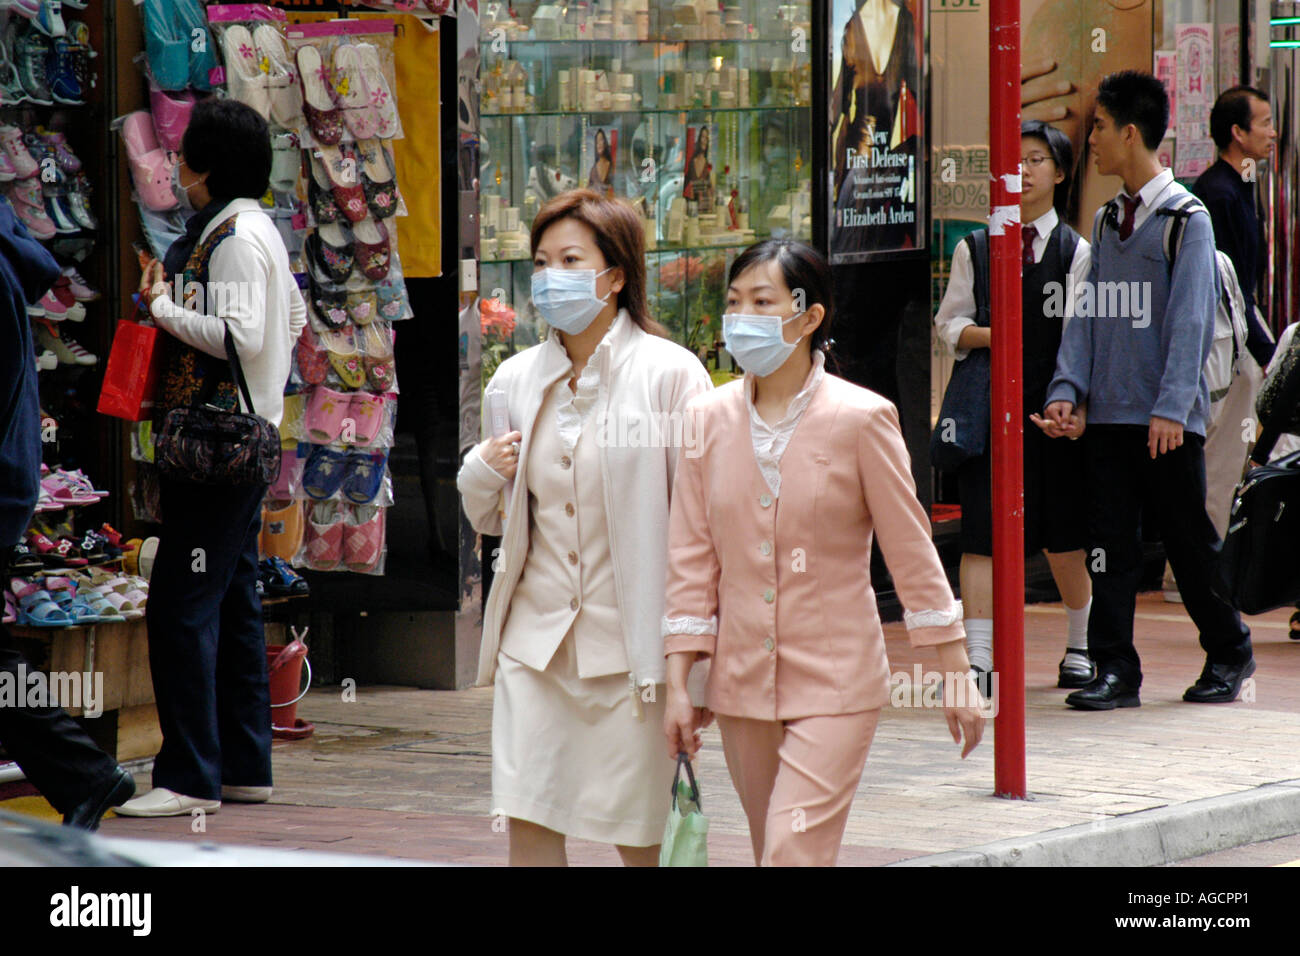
(323, 119)
(365, 476)
(280, 580)
(37, 609)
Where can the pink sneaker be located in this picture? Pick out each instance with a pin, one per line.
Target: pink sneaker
(36, 220)
(55, 311)
(15, 150)
(81, 290)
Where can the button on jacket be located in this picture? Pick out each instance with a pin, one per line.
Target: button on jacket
(777, 588)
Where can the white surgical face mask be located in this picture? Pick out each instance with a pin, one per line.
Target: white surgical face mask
(567, 299)
(756, 342)
(182, 193)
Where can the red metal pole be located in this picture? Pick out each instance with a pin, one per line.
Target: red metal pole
(1007, 402)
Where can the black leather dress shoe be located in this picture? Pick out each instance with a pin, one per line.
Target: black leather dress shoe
(1105, 693)
(1219, 683)
(87, 814)
(1075, 675)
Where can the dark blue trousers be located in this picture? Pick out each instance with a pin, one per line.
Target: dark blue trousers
(1127, 490)
(206, 645)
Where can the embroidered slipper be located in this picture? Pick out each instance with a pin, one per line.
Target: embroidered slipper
(373, 253)
(328, 247)
(377, 179)
(323, 119)
(381, 97)
(392, 299)
(326, 410)
(313, 364)
(365, 476)
(324, 472)
(367, 414)
(281, 78)
(245, 79)
(363, 539)
(352, 92)
(323, 537)
(340, 167)
(349, 368)
(362, 307)
(329, 298)
(324, 207)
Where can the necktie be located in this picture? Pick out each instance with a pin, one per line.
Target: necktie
(1130, 214)
(1027, 236)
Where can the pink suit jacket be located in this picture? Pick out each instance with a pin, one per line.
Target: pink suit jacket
(778, 591)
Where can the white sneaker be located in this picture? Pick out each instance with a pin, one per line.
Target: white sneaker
(161, 802)
(245, 794)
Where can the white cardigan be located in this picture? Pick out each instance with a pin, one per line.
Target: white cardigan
(645, 383)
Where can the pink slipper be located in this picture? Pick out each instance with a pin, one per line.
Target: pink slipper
(367, 412)
(323, 540)
(151, 169)
(326, 410)
(291, 465)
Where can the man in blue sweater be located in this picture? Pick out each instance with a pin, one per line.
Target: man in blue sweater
(1133, 356)
(59, 759)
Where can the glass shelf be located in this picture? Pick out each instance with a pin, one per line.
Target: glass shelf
(662, 111)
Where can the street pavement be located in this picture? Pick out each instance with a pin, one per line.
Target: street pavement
(407, 773)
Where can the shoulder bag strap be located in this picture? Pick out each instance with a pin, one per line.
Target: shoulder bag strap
(979, 260)
(237, 370)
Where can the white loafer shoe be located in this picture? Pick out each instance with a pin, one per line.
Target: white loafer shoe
(161, 802)
(245, 794)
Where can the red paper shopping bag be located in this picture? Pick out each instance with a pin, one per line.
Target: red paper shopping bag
(131, 376)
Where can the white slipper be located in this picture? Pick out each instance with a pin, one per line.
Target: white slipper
(281, 80)
(245, 79)
(380, 95)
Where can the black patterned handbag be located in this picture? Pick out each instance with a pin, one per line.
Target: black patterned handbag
(209, 445)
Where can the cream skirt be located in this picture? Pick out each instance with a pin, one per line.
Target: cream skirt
(570, 754)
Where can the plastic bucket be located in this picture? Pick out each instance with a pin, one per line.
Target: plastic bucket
(284, 664)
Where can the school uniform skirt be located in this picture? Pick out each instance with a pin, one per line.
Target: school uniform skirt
(572, 754)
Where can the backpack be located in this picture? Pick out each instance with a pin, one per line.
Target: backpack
(1221, 366)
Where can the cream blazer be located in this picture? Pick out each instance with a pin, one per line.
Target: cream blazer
(778, 591)
(645, 384)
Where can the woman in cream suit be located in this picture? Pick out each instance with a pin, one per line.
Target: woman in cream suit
(769, 566)
(571, 627)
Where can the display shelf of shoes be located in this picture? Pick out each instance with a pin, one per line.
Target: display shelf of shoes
(701, 118)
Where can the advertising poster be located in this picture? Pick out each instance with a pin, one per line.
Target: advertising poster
(697, 180)
(1194, 151)
(1166, 71)
(601, 151)
(877, 122)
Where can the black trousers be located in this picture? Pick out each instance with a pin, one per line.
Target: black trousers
(207, 649)
(55, 754)
(1126, 489)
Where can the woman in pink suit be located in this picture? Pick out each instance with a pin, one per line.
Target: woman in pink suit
(775, 502)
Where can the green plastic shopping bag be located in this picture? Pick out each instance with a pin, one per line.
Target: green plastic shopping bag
(686, 834)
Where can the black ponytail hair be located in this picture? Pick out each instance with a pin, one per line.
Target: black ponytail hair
(802, 267)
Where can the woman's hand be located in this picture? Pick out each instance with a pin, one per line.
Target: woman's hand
(683, 722)
(1071, 426)
(961, 708)
(153, 283)
(502, 454)
(1037, 86)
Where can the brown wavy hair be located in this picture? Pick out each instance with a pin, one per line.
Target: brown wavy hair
(619, 237)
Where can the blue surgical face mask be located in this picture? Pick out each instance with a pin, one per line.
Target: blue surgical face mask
(567, 299)
(182, 193)
(756, 342)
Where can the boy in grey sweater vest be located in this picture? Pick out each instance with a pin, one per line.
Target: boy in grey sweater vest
(1133, 355)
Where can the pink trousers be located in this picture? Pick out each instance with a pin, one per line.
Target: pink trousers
(796, 780)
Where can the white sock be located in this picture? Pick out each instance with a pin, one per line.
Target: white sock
(979, 642)
(1077, 637)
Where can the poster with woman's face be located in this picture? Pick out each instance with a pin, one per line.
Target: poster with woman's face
(877, 124)
(601, 148)
(697, 179)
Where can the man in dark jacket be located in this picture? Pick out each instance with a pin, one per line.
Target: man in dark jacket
(59, 759)
(1241, 124)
